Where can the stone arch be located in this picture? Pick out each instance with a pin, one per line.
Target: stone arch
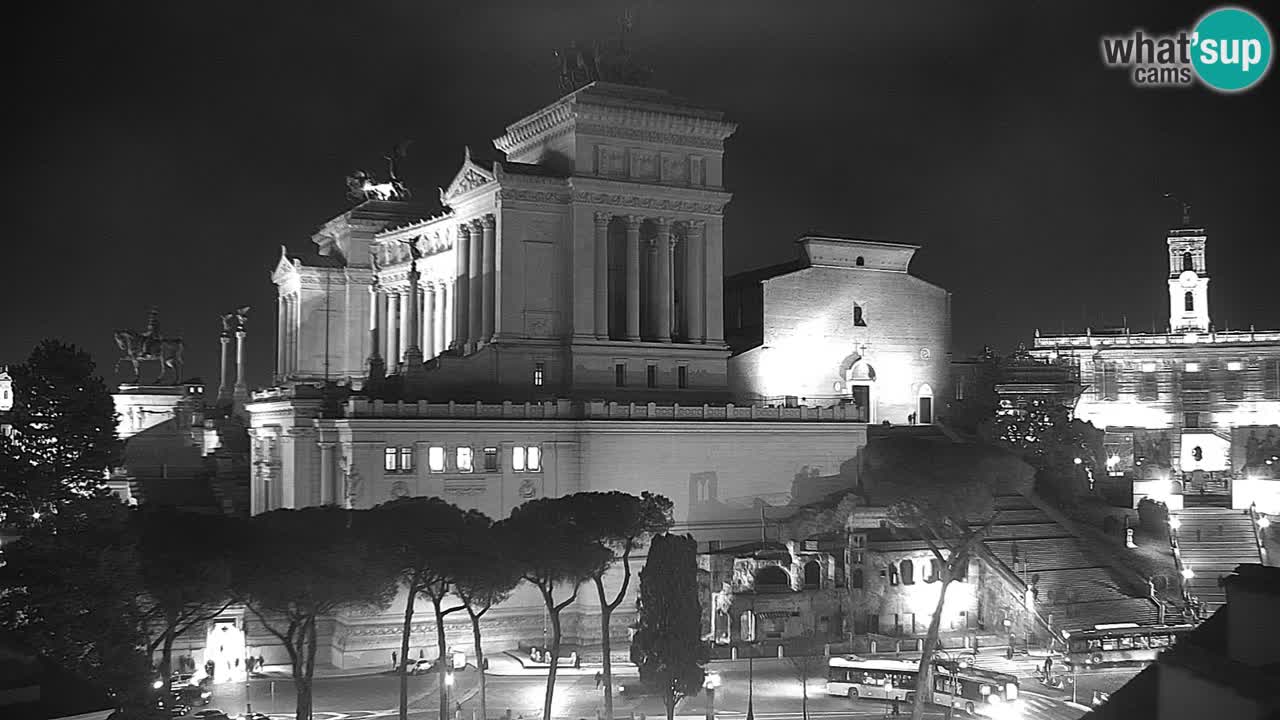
(772, 575)
(860, 261)
(908, 570)
(813, 574)
(1188, 261)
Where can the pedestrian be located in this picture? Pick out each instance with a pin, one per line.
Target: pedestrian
(1048, 666)
(896, 709)
(395, 660)
(261, 662)
(599, 678)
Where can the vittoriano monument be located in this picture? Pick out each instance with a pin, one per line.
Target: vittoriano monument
(581, 65)
(362, 185)
(149, 345)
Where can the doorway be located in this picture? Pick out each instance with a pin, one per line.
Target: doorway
(224, 651)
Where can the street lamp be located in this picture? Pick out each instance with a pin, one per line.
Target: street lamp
(710, 683)
(1174, 522)
(1188, 573)
(1264, 522)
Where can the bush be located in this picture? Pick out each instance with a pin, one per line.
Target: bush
(1152, 515)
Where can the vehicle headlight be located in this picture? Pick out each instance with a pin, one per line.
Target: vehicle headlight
(994, 699)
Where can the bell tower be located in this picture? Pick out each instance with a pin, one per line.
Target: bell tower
(1188, 277)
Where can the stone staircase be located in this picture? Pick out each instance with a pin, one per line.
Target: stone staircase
(1212, 541)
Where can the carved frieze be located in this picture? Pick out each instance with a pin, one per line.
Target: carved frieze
(648, 203)
(649, 136)
(644, 165)
(540, 196)
(464, 487)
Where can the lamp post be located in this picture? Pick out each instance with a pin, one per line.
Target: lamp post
(710, 683)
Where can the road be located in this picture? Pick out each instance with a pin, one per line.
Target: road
(774, 686)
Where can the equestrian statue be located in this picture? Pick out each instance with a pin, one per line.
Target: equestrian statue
(151, 346)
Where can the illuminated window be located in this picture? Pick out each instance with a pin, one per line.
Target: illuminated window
(651, 376)
(1148, 367)
(1193, 367)
(538, 369)
(406, 459)
(435, 458)
(526, 458)
(389, 459)
(858, 319)
(464, 459)
(682, 376)
(491, 459)
(397, 459)
(620, 374)
(1235, 365)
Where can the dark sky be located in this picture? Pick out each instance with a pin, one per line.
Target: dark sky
(161, 154)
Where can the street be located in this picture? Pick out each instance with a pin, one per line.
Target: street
(774, 685)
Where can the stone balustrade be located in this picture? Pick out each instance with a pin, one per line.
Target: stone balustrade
(563, 409)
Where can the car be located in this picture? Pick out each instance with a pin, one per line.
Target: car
(254, 716)
(1100, 697)
(178, 710)
(422, 667)
(211, 715)
(193, 695)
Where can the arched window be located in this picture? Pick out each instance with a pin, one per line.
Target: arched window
(859, 262)
(858, 319)
(932, 573)
(772, 576)
(812, 574)
(1189, 301)
(1188, 263)
(908, 572)
(856, 580)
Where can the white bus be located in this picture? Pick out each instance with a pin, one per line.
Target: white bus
(976, 692)
(855, 677)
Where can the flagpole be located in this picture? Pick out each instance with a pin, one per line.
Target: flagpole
(751, 674)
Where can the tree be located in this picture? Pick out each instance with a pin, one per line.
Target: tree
(551, 546)
(487, 580)
(69, 589)
(303, 565)
(668, 645)
(64, 435)
(943, 493)
(426, 540)
(620, 522)
(186, 574)
(806, 661)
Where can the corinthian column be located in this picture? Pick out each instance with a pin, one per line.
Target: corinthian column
(281, 335)
(241, 393)
(224, 385)
(412, 322)
(429, 346)
(633, 277)
(475, 285)
(444, 328)
(406, 305)
(328, 487)
(602, 275)
(663, 244)
(461, 287)
(393, 333)
(489, 270)
(694, 288)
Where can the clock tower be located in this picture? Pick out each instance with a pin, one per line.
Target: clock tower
(1188, 281)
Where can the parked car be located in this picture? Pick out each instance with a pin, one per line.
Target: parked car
(255, 716)
(193, 695)
(422, 667)
(211, 715)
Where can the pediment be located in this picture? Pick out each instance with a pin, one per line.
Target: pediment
(285, 267)
(470, 176)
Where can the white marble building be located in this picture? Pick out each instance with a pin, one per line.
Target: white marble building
(560, 330)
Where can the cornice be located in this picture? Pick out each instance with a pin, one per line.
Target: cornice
(526, 130)
(558, 197)
(641, 202)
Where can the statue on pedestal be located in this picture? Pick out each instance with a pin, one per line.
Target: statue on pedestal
(363, 186)
(150, 345)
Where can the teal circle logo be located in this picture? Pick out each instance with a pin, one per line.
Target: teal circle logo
(1231, 49)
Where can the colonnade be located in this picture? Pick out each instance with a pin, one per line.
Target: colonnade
(418, 317)
(289, 308)
(649, 285)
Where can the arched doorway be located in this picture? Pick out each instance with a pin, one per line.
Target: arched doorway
(224, 651)
(860, 380)
(924, 405)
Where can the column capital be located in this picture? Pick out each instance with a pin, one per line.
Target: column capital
(633, 222)
(464, 229)
(488, 221)
(602, 218)
(477, 225)
(241, 333)
(664, 225)
(696, 226)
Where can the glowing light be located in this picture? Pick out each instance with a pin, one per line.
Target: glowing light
(157, 684)
(1113, 461)
(36, 515)
(711, 681)
(1188, 573)
(1077, 461)
(448, 678)
(1264, 522)
(1174, 522)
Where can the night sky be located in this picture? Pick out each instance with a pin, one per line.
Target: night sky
(161, 154)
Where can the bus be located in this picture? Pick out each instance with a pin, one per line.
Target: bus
(855, 677)
(1121, 642)
(976, 691)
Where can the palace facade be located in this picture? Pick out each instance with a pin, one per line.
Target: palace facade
(561, 327)
(1193, 405)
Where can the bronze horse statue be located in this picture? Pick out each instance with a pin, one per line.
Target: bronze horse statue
(138, 346)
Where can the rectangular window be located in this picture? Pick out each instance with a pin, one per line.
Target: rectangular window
(464, 459)
(517, 458)
(960, 382)
(491, 459)
(435, 458)
(389, 459)
(1148, 367)
(406, 459)
(1191, 420)
(682, 376)
(1271, 379)
(620, 374)
(533, 458)
(651, 376)
(1148, 387)
(1233, 388)
(1105, 381)
(1193, 367)
(538, 369)
(1235, 365)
